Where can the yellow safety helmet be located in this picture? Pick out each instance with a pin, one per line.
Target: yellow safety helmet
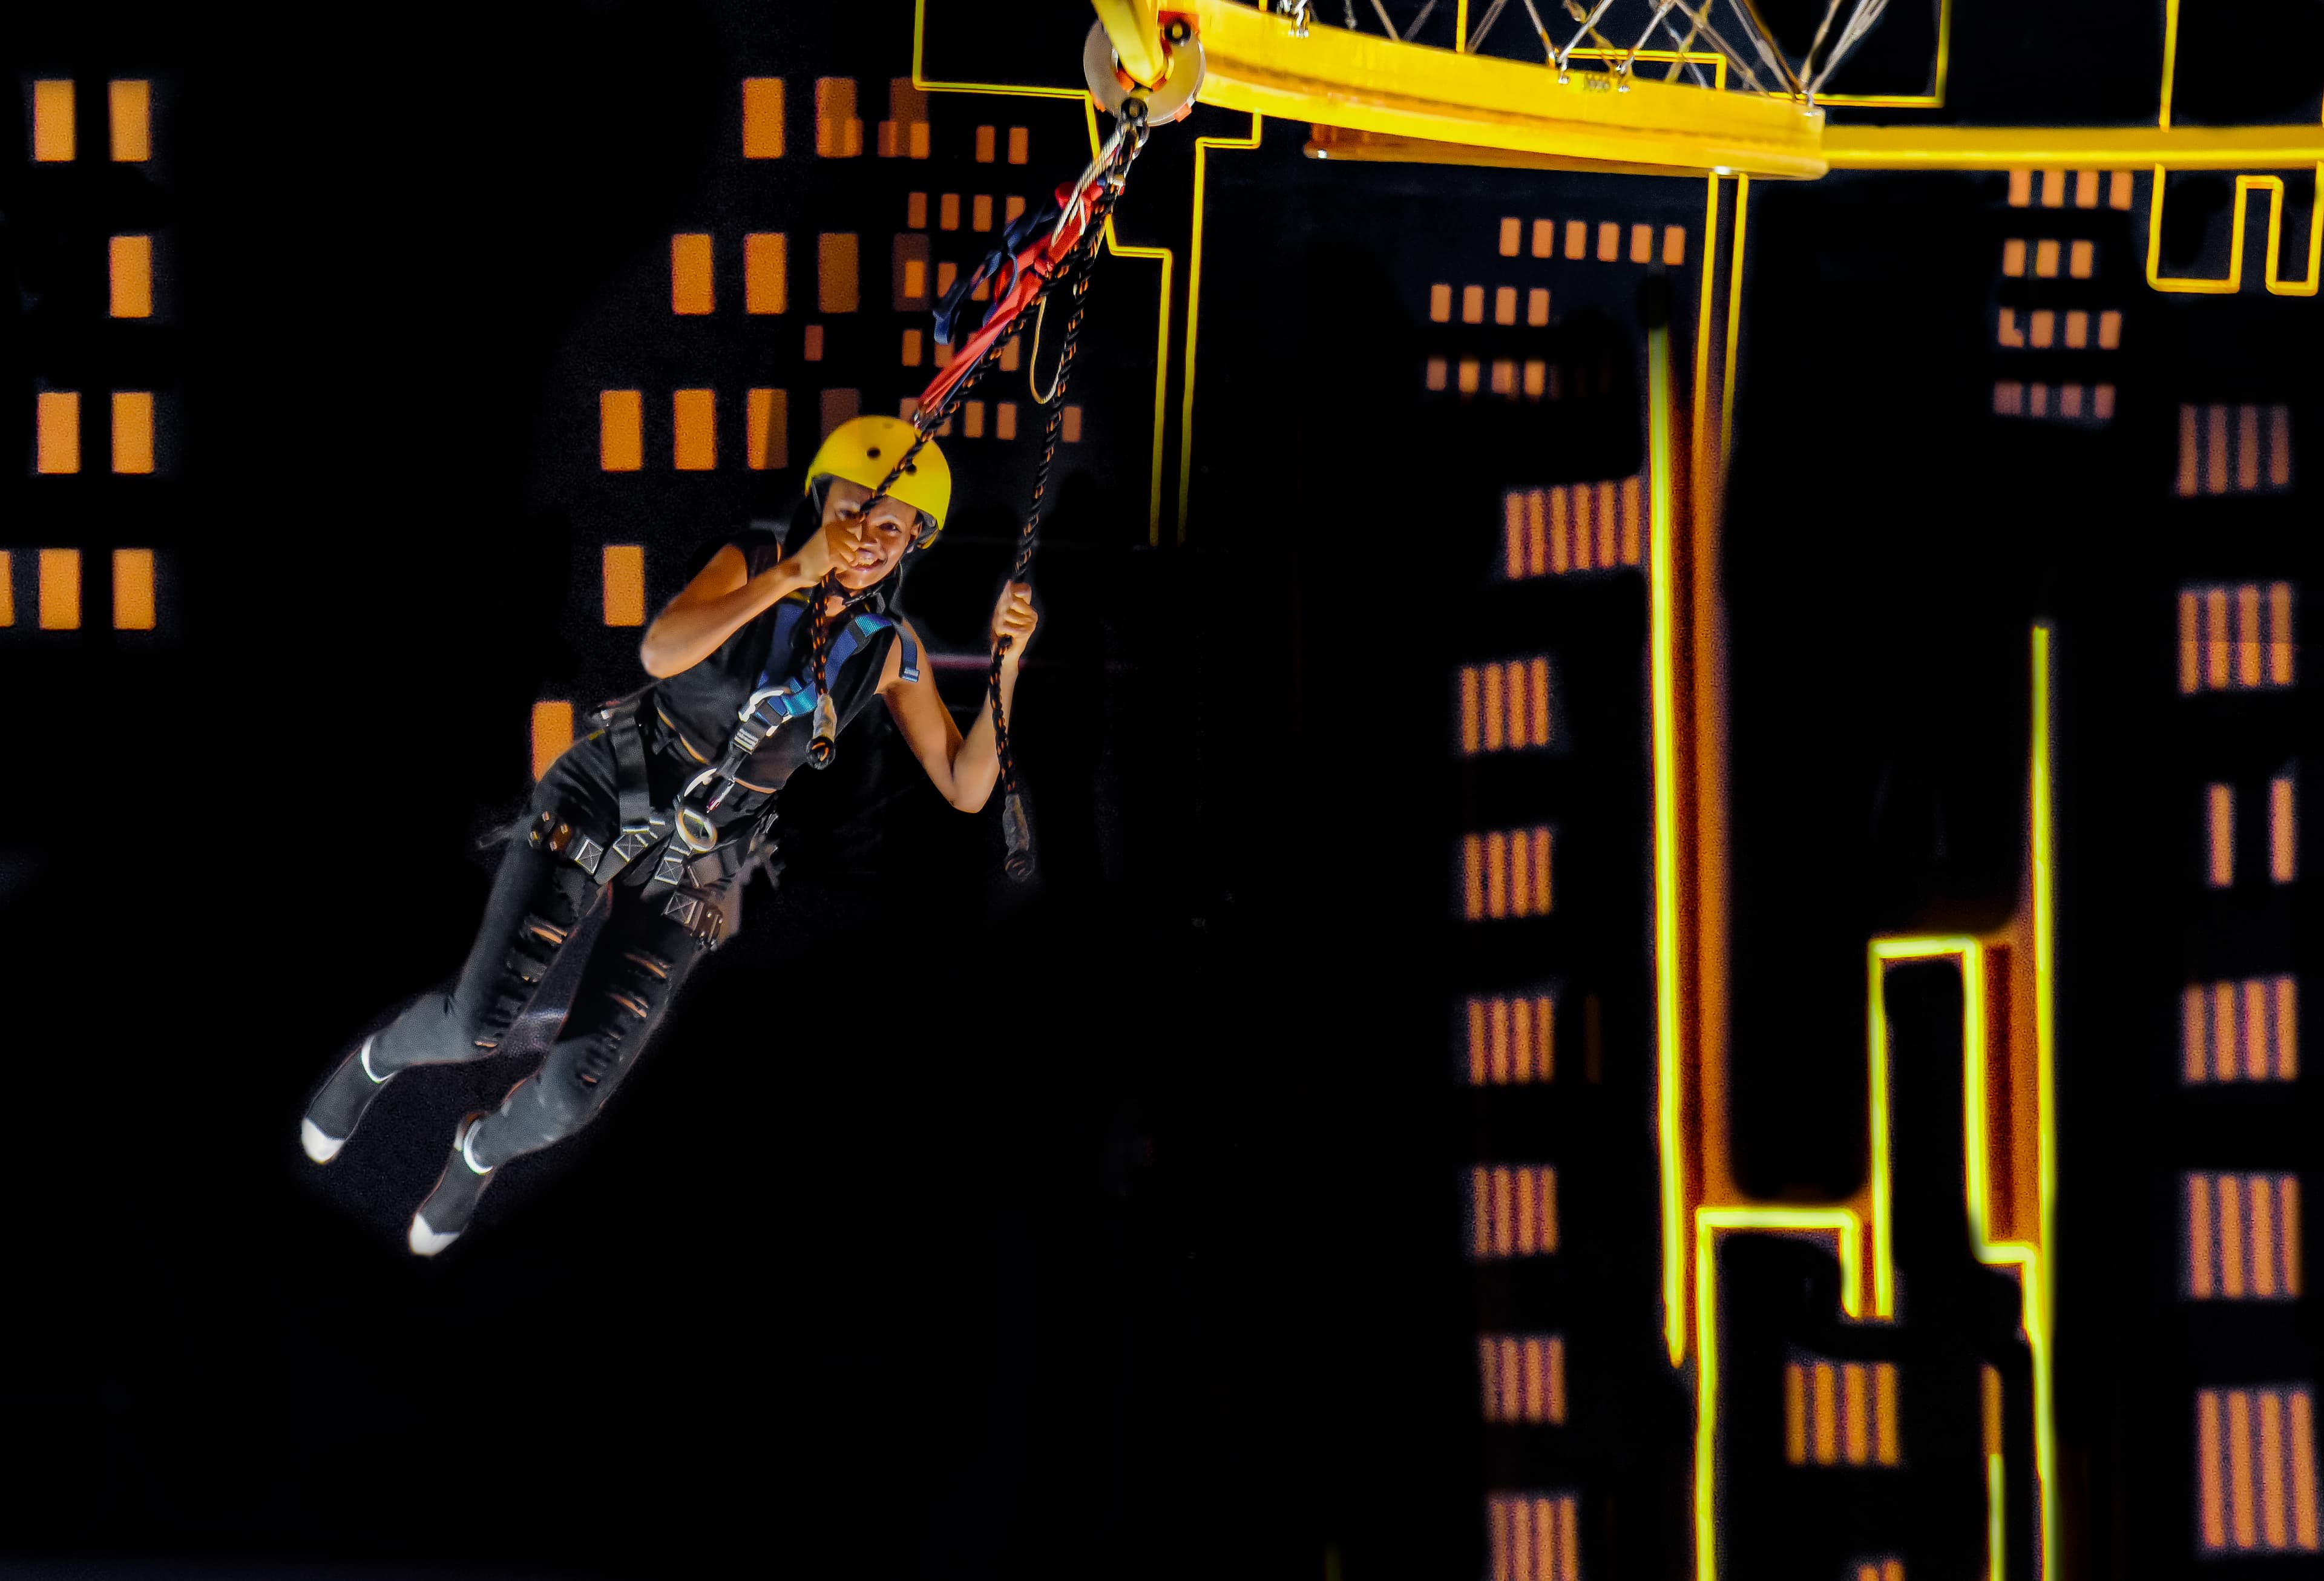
(865, 450)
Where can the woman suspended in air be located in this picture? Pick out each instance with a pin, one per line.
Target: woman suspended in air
(640, 836)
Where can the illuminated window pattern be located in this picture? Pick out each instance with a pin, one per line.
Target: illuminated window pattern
(2255, 1469)
(56, 431)
(1512, 1211)
(2045, 255)
(2241, 1237)
(1573, 527)
(2074, 329)
(1505, 707)
(1604, 241)
(1505, 873)
(2092, 403)
(691, 289)
(132, 431)
(1512, 1039)
(766, 273)
(838, 130)
(1533, 1537)
(766, 429)
(1841, 1413)
(1524, 1376)
(2235, 637)
(1878, 1570)
(904, 134)
(2234, 449)
(2240, 1032)
(133, 589)
(2054, 186)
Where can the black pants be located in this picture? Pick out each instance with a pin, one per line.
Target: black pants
(542, 909)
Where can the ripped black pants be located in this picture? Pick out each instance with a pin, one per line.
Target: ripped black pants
(639, 953)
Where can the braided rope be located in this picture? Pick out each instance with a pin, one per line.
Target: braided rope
(1073, 277)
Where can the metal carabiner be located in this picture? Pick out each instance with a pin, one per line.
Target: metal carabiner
(687, 817)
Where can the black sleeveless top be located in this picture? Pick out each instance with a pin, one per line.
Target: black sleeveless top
(697, 707)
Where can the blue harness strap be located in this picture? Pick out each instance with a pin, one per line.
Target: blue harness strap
(852, 639)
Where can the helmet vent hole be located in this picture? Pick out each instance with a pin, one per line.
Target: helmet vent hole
(873, 453)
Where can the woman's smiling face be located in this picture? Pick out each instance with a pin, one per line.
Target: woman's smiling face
(883, 531)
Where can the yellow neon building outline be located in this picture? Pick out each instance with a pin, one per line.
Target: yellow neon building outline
(2232, 281)
(1203, 146)
(1853, 1246)
(1932, 100)
(1664, 725)
(1113, 244)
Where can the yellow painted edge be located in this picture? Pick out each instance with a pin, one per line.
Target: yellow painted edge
(2040, 1277)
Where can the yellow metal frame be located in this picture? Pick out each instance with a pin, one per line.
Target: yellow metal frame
(1255, 62)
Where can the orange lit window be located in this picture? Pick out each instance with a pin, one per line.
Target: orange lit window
(948, 211)
(2246, 1031)
(620, 430)
(1073, 425)
(1610, 241)
(811, 343)
(916, 210)
(1440, 303)
(2235, 637)
(690, 289)
(1505, 305)
(904, 134)
(2255, 1469)
(1512, 1211)
(911, 271)
(1841, 1413)
(133, 589)
(1533, 1537)
(52, 119)
(1537, 307)
(2021, 188)
(2283, 831)
(1512, 1039)
(626, 585)
(1573, 527)
(1472, 304)
(765, 272)
(980, 212)
(1020, 144)
(1523, 1375)
(1642, 244)
(1886, 1569)
(762, 117)
(840, 406)
(59, 589)
(1505, 873)
(694, 419)
(2241, 1237)
(1544, 238)
(2227, 449)
(132, 431)
(1504, 707)
(7, 589)
(2220, 835)
(1674, 246)
(129, 117)
(985, 145)
(131, 269)
(838, 130)
(552, 732)
(1512, 236)
(56, 419)
(766, 425)
(837, 281)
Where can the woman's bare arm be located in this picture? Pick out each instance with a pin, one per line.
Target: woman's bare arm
(724, 597)
(964, 768)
